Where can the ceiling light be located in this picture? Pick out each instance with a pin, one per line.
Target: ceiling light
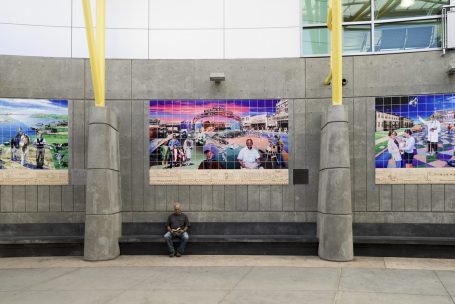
(407, 3)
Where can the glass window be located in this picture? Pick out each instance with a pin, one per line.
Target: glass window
(408, 35)
(390, 34)
(387, 9)
(357, 39)
(356, 10)
(314, 11)
(316, 41)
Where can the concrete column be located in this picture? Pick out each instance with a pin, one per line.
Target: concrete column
(103, 220)
(334, 203)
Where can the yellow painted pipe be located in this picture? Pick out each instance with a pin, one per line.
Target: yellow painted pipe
(329, 16)
(337, 53)
(328, 79)
(100, 43)
(94, 61)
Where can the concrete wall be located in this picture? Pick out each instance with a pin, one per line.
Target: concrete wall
(131, 83)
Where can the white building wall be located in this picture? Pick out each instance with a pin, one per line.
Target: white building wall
(155, 29)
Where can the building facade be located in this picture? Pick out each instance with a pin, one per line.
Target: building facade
(262, 57)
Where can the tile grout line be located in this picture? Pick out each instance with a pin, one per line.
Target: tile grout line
(122, 291)
(337, 293)
(236, 284)
(443, 285)
(30, 287)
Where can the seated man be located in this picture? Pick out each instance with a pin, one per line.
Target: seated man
(177, 225)
(249, 157)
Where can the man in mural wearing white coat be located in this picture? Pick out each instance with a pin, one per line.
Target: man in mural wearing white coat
(434, 127)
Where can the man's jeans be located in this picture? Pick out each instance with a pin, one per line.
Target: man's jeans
(183, 240)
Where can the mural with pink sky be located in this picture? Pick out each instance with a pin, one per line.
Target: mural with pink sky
(218, 134)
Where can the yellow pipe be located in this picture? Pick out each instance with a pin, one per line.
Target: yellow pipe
(100, 43)
(329, 16)
(336, 53)
(328, 79)
(94, 62)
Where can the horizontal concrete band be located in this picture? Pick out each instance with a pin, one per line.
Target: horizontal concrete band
(104, 124)
(332, 168)
(95, 168)
(331, 122)
(103, 115)
(335, 213)
(205, 228)
(103, 214)
(274, 228)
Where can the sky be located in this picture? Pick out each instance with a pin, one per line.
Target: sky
(33, 106)
(412, 106)
(186, 110)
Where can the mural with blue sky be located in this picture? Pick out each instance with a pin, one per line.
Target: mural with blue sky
(20, 122)
(400, 113)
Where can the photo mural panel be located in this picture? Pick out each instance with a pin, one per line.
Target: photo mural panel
(206, 142)
(415, 139)
(34, 142)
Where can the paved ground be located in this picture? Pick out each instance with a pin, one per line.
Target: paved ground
(226, 279)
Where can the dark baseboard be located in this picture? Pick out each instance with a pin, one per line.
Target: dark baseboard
(388, 240)
(35, 250)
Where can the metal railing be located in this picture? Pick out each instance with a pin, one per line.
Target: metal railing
(445, 10)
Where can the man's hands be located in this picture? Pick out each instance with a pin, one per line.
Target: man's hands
(177, 230)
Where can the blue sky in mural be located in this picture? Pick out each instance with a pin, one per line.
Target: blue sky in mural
(413, 106)
(33, 106)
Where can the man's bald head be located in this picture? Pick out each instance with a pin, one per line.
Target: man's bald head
(177, 208)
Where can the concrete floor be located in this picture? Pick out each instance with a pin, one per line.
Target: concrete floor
(226, 279)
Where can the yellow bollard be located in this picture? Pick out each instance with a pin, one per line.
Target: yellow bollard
(100, 43)
(96, 61)
(334, 24)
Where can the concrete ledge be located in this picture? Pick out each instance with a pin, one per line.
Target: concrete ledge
(42, 240)
(223, 238)
(404, 240)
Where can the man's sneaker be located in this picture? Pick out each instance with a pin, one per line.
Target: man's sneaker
(171, 255)
(178, 254)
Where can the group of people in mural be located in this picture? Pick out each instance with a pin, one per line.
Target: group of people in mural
(179, 152)
(402, 151)
(19, 148)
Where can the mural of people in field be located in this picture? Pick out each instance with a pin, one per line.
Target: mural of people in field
(415, 131)
(33, 134)
(218, 134)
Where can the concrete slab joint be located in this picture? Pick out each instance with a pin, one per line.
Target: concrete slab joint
(334, 222)
(103, 191)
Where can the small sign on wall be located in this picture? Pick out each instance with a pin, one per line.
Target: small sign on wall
(415, 139)
(225, 142)
(33, 142)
